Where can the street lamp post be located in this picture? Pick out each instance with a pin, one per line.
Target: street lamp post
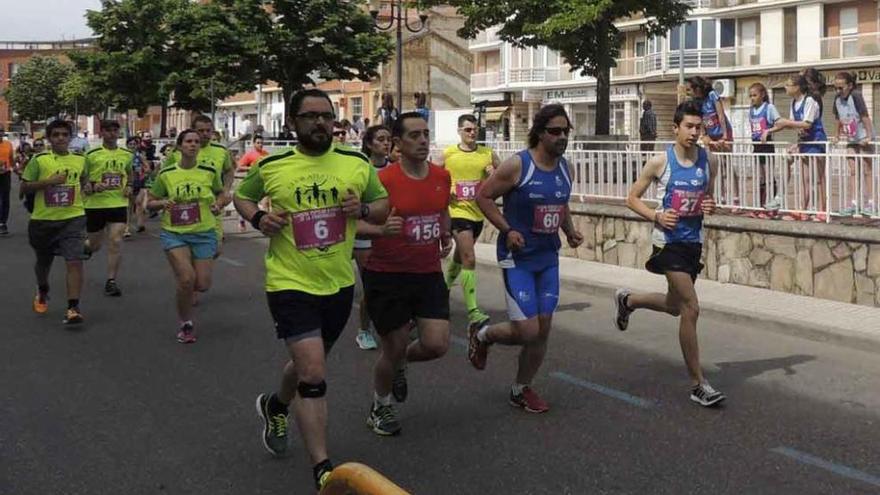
(399, 16)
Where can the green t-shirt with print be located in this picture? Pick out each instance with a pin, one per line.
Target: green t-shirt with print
(63, 201)
(313, 253)
(193, 191)
(112, 168)
(214, 155)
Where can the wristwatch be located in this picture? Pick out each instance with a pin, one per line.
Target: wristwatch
(365, 211)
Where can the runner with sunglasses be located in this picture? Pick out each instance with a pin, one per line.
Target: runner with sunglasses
(468, 164)
(536, 186)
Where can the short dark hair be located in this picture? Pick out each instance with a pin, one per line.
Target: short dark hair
(370, 135)
(297, 98)
(686, 108)
(108, 123)
(257, 136)
(183, 134)
(338, 124)
(542, 118)
(57, 124)
(647, 105)
(199, 119)
(701, 83)
(397, 129)
(468, 117)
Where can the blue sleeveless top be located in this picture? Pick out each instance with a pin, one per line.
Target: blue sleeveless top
(682, 189)
(535, 208)
(816, 132)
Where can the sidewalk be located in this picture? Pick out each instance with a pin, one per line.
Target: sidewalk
(808, 317)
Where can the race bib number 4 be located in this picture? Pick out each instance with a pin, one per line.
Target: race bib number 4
(423, 229)
(687, 203)
(183, 214)
(548, 218)
(60, 196)
(111, 180)
(466, 190)
(850, 127)
(318, 228)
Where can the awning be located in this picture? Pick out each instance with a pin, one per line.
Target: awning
(493, 114)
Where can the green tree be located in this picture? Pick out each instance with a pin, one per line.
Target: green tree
(34, 91)
(308, 40)
(582, 31)
(80, 98)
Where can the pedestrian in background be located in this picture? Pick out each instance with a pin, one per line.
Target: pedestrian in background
(647, 127)
(7, 162)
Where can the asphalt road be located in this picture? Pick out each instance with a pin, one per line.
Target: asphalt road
(120, 407)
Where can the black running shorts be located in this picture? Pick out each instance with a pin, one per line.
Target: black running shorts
(460, 224)
(676, 257)
(300, 315)
(98, 218)
(393, 299)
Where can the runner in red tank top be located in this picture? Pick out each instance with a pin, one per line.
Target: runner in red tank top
(403, 281)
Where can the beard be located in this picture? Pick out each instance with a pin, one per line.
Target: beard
(560, 146)
(318, 140)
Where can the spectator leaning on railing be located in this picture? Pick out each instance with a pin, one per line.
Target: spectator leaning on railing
(855, 129)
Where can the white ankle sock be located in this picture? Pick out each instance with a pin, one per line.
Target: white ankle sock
(517, 388)
(381, 401)
(483, 334)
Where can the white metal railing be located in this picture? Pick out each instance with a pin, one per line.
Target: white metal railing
(489, 36)
(626, 67)
(833, 184)
(848, 46)
(482, 80)
(527, 75)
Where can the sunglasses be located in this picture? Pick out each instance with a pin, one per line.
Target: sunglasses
(556, 131)
(469, 130)
(339, 133)
(315, 115)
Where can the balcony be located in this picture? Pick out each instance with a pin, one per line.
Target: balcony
(714, 58)
(529, 75)
(486, 40)
(857, 45)
(486, 80)
(717, 4)
(628, 67)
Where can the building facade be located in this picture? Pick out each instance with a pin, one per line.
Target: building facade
(733, 42)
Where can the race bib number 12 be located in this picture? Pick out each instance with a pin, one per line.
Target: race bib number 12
(60, 196)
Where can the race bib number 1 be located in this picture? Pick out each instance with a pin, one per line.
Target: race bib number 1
(548, 218)
(60, 196)
(183, 214)
(112, 181)
(421, 230)
(318, 228)
(466, 190)
(687, 203)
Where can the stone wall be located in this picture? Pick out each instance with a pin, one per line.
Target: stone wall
(835, 262)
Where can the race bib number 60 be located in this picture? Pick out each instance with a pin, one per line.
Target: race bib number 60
(548, 218)
(424, 229)
(318, 228)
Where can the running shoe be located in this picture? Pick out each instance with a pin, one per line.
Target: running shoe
(111, 289)
(4, 230)
(477, 315)
(141, 229)
(774, 204)
(399, 389)
(623, 312)
(706, 396)
(478, 351)
(73, 317)
(529, 401)
(274, 427)
(41, 303)
(186, 334)
(383, 420)
(126, 234)
(322, 473)
(365, 340)
(850, 210)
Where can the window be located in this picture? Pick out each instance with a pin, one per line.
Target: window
(690, 36)
(708, 35)
(640, 48)
(789, 34)
(357, 108)
(553, 59)
(537, 57)
(849, 31)
(728, 32)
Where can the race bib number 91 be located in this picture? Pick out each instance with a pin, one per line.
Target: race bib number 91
(421, 230)
(466, 190)
(548, 218)
(60, 196)
(318, 228)
(183, 214)
(687, 203)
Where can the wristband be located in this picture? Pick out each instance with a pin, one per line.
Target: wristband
(365, 211)
(255, 220)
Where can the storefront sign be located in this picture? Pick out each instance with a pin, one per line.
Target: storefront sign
(588, 94)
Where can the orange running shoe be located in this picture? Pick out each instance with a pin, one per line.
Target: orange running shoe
(41, 303)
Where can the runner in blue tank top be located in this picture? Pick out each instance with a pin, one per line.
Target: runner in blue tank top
(536, 185)
(684, 177)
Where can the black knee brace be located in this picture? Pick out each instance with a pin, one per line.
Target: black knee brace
(312, 390)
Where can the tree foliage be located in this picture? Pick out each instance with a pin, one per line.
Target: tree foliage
(79, 97)
(34, 92)
(582, 31)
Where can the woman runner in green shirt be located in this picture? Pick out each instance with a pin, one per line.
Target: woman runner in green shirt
(187, 194)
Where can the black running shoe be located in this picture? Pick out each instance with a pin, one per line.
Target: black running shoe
(706, 396)
(398, 385)
(321, 472)
(274, 427)
(383, 420)
(111, 289)
(621, 318)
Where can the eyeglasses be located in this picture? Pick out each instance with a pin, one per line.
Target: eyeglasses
(339, 133)
(839, 88)
(555, 131)
(315, 115)
(469, 130)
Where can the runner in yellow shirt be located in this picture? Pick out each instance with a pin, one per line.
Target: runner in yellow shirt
(106, 201)
(58, 222)
(468, 164)
(189, 195)
(318, 191)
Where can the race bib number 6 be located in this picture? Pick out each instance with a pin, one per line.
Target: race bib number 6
(687, 203)
(318, 228)
(548, 218)
(183, 214)
(421, 230)
(466, 190)
(60, 196)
